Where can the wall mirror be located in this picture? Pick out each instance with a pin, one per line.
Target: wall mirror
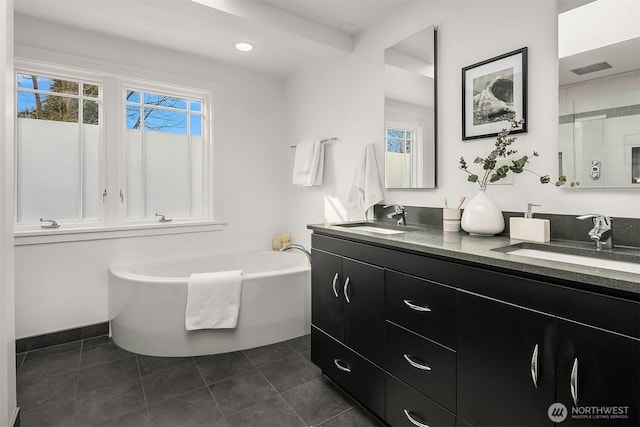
(599, 116)
(410, 112)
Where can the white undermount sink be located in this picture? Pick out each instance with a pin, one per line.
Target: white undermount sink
(607, 264)
(378, 230)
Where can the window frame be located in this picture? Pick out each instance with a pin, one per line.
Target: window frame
(113, 222)
(404, 129)
(207, 167)
(71, 75)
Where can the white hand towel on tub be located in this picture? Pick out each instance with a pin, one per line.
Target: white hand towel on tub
(213, 300)
(308, 164)
(366, 189)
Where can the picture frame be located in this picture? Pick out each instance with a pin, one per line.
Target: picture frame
(492, 91)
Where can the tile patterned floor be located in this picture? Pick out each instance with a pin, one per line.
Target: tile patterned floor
(93, 382)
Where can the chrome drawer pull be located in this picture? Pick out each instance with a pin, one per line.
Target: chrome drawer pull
(335, 282)
(534, 366)
(574, 381)
(346, 291)
(415, 307)
(341, 365)
(413, 420)
(416, 364)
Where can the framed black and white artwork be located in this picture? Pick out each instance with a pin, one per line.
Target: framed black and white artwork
(492, 92)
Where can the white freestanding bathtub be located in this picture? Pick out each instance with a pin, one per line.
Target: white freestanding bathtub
(147, 304)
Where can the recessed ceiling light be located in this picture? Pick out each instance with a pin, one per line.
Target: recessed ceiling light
(243, 46)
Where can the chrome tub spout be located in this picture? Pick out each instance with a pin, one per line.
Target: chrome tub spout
(300, 248)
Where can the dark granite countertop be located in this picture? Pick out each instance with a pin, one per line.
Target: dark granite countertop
(487, 251)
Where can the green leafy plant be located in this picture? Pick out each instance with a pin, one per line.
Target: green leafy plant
(503, 150)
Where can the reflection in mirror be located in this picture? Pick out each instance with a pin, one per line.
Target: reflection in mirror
(599, 123)
(410, 112)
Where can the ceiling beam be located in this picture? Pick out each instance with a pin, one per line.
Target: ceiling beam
(299, 33)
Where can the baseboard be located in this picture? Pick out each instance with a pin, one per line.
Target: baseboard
(61, 337)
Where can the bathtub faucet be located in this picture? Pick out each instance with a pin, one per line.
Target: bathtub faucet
(300, 248)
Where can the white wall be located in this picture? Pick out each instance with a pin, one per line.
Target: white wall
(64, 285)
(345, 99)
(7, 322)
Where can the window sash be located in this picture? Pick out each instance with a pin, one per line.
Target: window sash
(81, 202)
(112, 164)
(142, 148)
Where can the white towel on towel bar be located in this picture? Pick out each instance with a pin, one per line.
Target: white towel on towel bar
(366, 189)
(213, 300)
(308, 164)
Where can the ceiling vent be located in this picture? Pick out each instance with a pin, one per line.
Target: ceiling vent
(592, 68)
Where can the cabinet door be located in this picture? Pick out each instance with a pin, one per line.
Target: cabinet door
(599, 370)
(326, 293)
(506, 363)
(364, 309)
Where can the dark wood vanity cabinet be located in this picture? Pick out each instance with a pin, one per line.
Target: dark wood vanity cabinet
(427, 308)
(598, 372)
(347, 303)
(426, 341)
(326, 291)
(420, 359)
(358, 376)
(347, 334)
(514, 363)
(407, 407)
(506, 363)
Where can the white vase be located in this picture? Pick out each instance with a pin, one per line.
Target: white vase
(482, 216)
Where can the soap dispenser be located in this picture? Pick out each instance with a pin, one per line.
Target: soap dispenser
(530, 228)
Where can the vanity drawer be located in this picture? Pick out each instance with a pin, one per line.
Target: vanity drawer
(355, 374)
(407, 407)
(423, 364)
(427, 308)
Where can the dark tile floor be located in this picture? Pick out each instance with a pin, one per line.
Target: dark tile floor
(93, 382)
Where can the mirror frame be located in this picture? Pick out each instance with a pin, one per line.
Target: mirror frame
(432, 170)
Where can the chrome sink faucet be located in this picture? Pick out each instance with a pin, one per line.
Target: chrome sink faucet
(398, 213)
(602, 231)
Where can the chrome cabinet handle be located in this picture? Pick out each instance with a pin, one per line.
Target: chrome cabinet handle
(341, 365)
(415, 364)
(335, 282)
(413, 420)
(574, 381)
(534, 366)
(346, 290)
(415, 307)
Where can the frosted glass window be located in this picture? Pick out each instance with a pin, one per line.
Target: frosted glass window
(165, 154)
(159, 151)
(58, 164)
